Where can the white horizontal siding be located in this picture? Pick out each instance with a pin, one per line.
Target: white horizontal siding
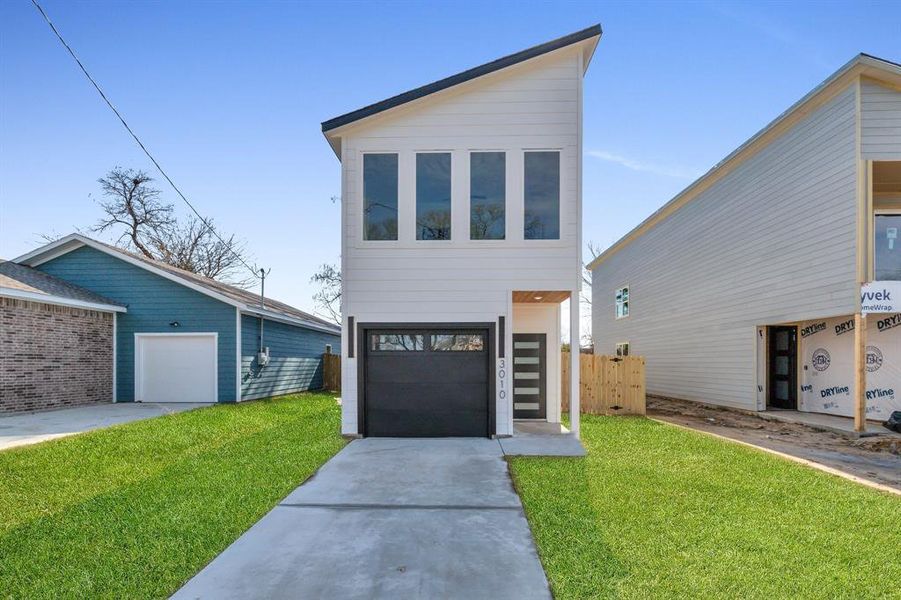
(534, 105)
(773, 241)
(880, 122)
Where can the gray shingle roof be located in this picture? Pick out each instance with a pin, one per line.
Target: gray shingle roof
(245, 297)
(25, 279)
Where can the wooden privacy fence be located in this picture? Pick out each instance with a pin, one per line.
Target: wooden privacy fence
(331, 372)
(610, 384)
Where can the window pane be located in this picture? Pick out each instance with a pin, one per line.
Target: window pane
(467, 342)
(487, 195)
(433, 196)
(380, 196)
(888, 248)
(390, 342)
(542, 196)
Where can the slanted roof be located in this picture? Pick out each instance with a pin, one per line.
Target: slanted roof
(496, 65)
(861, 66)
(20, 281)
(244, 300)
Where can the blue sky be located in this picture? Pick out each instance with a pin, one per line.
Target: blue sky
(229, 96)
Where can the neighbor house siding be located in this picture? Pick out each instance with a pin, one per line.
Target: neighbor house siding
(295, 358)
(153, 303)
(772, 241)
(53, 356)
(533, 106)
(880, 122)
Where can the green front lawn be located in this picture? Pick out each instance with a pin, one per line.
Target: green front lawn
(135, 510)
(655, 511)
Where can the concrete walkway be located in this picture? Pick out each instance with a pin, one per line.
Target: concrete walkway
(388, 518)
(31, 428)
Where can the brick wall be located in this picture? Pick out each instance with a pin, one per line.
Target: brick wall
(53, 356)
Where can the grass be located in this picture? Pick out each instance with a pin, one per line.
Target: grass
(134, 511)
(658, 512)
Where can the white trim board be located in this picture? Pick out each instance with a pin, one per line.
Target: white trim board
(59, 301)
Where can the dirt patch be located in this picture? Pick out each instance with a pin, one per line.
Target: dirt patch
(877, 458)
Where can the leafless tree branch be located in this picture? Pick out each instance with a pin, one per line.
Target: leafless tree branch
(147, 225)
(328, 297)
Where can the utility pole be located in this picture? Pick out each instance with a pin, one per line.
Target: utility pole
(263, 274)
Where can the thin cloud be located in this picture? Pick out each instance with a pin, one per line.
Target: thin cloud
(644, 167)
(759, 18)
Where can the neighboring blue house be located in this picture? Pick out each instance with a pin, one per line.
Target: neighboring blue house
(188, 338)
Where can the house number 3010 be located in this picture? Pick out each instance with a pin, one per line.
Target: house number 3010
(502, 376)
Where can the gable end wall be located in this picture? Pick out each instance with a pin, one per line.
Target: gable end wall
(773, 241)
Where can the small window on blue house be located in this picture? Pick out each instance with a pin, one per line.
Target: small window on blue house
(542, 196)
(380, 196)
(487, 195)
(433, 196)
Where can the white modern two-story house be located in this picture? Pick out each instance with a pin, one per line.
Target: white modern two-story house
(773, 282)
(461, 237)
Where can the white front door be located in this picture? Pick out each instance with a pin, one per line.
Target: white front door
(176, 367)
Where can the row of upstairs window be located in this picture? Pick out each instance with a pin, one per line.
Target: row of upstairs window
(487, 196)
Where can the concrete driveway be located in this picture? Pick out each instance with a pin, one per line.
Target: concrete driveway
(31, 428)
(388, 518)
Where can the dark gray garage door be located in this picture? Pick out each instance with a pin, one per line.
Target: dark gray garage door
(426, 382)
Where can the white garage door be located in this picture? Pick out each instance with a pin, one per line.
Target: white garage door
(176, 367)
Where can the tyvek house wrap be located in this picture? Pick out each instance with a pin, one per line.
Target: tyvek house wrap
(827, 371)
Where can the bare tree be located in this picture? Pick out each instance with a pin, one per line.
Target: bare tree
(194, 247)
(587, 342)
(595, 251)
(147, 225)
(134, 208)
(328, 297)
(483, 219)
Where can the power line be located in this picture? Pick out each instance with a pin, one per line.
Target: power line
(137, 139)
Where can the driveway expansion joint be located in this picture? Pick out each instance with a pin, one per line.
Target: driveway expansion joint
(398, 506)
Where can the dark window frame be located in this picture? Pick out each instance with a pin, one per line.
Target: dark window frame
(364, 229)
(433, 334)
(450, 194)
(371, 341)
(525, 176)
(503, 218)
